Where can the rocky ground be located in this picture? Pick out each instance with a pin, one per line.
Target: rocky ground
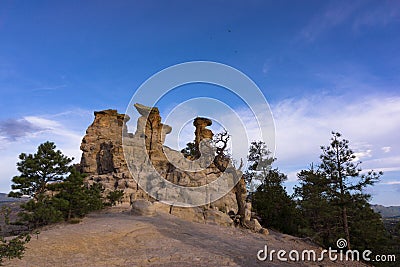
(115, 237)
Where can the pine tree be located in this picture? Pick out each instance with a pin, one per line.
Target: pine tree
(14, 247)
(318, 215)
(343, 173)
(260, 162)
(270, 200)
(11, 247)
(38, 170)
(272, 203)
(115, 196)
(74, 198)
(333, 204)
(40, 213)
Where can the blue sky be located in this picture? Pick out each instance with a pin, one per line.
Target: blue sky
(322, 66)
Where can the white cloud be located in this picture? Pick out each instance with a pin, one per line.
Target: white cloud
(363, 154)
(56, 128)
(391, 183)
(303, 125)
(368, 123)
(386, 149)
(383, 163)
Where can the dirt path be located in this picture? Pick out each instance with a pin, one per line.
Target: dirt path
(117, 238)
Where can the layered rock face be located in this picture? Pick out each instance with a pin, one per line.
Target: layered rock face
(149, 126)
(102, 154)
(102, 144)
(105, 162)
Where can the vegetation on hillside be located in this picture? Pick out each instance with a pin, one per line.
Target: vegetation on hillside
(57, 192)
(11, 247)
(270, 200)
(329, 203)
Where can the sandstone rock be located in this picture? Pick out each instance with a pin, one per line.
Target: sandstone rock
(217, 217)
(102, 144)
(161, 207)
(104, 160)
(264, 231)
(150, 127)
(193, 214)
(201, 132)
(226, 204)
(255, 225)
(143, 207)
(247, 214)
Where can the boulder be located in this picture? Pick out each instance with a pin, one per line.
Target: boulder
(254, 225)
(161, 207)
(217, 217)
(193, 214)
(143, 207)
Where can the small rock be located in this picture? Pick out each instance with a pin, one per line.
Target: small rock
(264, 231)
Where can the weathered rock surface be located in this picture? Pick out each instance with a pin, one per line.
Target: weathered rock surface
(139, 163)
(102, 144)
(149, 126)
(193, 214)
(202, 132)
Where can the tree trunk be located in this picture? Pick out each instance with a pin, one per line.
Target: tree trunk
(342, 202)
(239, 193)
(346, 226)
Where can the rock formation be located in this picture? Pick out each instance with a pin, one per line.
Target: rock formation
(202, 132)
(102, 144)
(150, 127)
(110, 151)
(102, 153)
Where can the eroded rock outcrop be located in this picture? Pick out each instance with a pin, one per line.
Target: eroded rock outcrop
(102, 144)
(102, 153)
(202, 132)
(150, 127)
(146, 158)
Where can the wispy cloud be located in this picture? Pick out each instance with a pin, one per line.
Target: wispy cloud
(355, 14)
(333, 15)
(13, 129)
(383, 14)
(49, 88)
